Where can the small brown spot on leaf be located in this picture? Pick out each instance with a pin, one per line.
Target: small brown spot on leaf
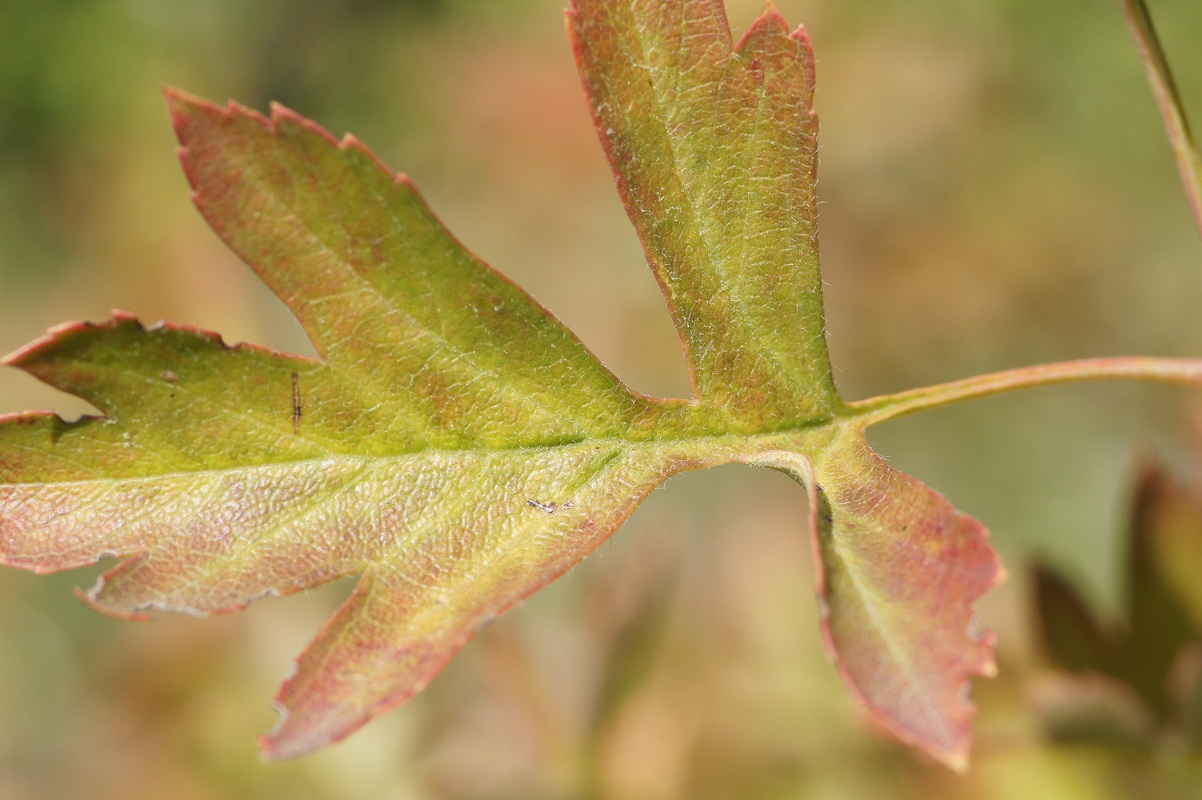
(296, 403)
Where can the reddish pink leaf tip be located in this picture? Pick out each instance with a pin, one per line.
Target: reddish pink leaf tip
(900, 569)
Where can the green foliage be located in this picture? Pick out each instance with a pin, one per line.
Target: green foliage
(458, 448)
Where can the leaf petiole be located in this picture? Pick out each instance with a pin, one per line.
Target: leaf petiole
(1131, 368)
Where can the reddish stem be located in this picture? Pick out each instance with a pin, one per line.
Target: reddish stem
(1136, 368)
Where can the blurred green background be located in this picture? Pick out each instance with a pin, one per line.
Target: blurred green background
(997, 191)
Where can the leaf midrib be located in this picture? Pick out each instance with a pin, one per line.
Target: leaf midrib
(710, 448)
(871, 602)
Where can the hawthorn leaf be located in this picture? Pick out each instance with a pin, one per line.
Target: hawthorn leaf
(899, 570)
(453, 444)
(387, 296)
(714, 147)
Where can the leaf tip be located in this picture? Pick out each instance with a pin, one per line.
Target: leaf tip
(183, 106)
(177, 97)
(957, 762)
(280, 744)
(772, 14)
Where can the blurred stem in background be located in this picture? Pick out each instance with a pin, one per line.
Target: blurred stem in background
(1168, 99)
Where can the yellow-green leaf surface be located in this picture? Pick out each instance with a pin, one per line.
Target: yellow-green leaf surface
(714, 149)
(453, 444)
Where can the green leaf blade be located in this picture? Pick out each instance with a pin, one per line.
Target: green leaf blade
(175, 399)
(446, 542)
(388, 297)
(458, 448)
(208, 541)
(714, 151)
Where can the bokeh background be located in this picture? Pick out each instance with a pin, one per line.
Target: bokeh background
(996, 192)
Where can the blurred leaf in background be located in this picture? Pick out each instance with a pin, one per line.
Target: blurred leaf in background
(1130, 687)
(997, 191)
(1149, 653)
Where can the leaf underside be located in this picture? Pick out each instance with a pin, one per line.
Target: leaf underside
(900, 568)
(453, 444)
